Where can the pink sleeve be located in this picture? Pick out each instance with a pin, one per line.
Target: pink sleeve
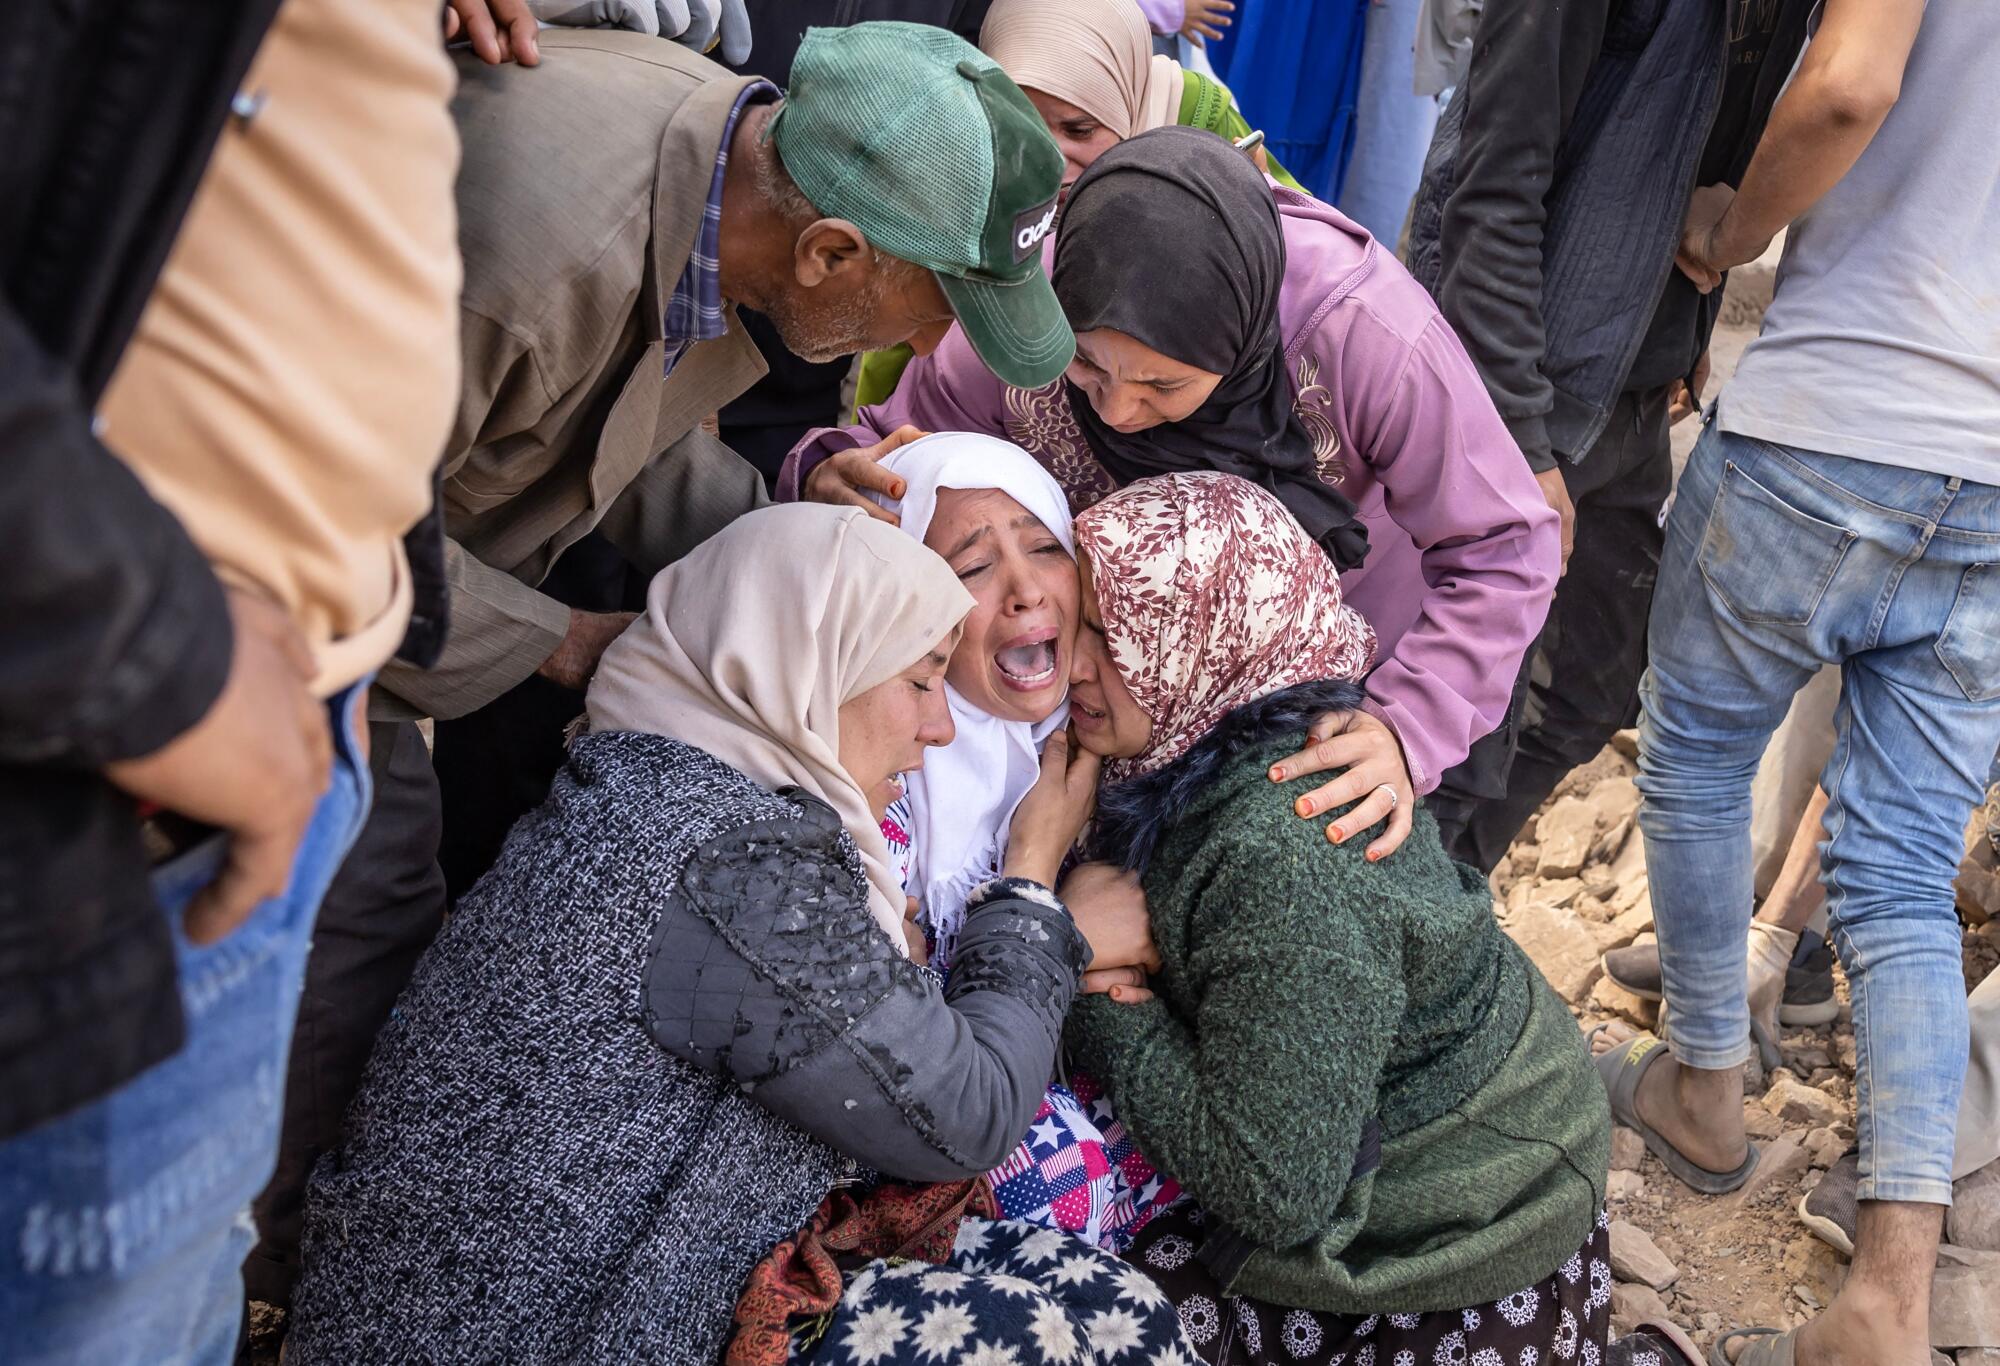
(950, 390)
(1454, 480)
(1164, 16)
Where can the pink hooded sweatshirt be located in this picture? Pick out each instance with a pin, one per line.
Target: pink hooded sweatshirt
(1463, 549)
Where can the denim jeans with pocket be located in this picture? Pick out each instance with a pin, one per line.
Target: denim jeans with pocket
(123, 1224)
(1778, 561)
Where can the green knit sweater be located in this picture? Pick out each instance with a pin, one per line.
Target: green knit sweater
(1305, 990)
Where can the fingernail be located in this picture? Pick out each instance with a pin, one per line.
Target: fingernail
(1335, 833)
(1372, 856)
(1277, 775)
(1303, 806)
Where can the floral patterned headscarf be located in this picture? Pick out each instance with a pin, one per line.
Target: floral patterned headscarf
(1212, 596)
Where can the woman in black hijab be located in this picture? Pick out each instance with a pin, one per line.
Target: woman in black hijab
(1226, 324)
(1213, 310)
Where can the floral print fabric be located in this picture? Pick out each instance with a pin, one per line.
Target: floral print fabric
(1009, 1295)
(1560, 1321)
(1212, 595)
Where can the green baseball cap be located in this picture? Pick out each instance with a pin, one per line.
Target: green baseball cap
(921, 141)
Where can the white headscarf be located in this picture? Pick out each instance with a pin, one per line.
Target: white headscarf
(963, 800)
(751, 643)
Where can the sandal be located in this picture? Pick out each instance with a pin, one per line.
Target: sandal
(1657, 1335)
(1776, 1347)
(1620, 1070)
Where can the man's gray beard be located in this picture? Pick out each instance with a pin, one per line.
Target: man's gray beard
(821, 332)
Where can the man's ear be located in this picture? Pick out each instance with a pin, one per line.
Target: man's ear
(827, 248)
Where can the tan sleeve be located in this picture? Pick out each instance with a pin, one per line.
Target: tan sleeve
(687, 493)
(502, 390)
(501, 631)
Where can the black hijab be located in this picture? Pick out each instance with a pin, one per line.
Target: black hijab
(1172, 237)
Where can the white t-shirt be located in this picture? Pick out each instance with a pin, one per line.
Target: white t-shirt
(1883, 340)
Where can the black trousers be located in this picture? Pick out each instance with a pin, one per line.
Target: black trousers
(1581, 681)
(380, 914)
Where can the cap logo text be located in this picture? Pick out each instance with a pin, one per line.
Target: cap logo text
(1031, 227)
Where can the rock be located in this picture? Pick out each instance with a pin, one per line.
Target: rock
(1632, 1305)
(1759, 1122)
(1940, 1359)
(1843, 1052)
(1796, 1103)
(1710, 1322)
(1624, 1185)
(1635, 1258)
(1628, 1149)
(1970, 1356)
(1813, 1264)
(1807, 1059)
(1613, 999)
(1563, 944)
(1825, 1146)
(1567, 830)
(1632, 925)
(1974, 1218)
(1784, 1161)
(1615, 799)
(1978, 883)
(1626, 742)
(1965, 1307)
(1598, 882)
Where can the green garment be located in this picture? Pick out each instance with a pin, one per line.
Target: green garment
(1204, 104)
(1305, 991)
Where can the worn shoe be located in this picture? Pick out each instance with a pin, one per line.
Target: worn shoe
(1808, 982)
(1809, 986)
(1829, 1208)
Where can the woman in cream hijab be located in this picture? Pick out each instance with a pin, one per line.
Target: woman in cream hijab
(679, 1010)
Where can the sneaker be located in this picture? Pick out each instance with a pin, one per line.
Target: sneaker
(1808, 982)
(1828, 1209)
(1809, 985)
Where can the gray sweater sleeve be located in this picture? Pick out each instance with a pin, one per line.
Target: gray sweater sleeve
(768, 968)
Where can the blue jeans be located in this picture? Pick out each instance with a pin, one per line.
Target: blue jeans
(1777, 561)
(123, 1225)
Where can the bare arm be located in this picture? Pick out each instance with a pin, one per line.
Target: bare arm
(1848, 80)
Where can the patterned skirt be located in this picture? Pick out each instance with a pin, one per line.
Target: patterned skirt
(1560, 1321)
(1011, 1294)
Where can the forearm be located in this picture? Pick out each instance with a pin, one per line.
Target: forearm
(1848, 80)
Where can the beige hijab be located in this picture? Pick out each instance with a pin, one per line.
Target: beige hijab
(1095, 54)
(750, 644)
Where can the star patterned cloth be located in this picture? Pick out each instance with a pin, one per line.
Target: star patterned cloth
(1011, 1294)
(1079, 1170)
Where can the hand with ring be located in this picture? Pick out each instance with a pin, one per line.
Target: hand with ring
(1376, 779)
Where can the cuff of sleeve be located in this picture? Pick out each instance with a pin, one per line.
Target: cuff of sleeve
(1531, 434)
(170, 672)
(815, 447)
(1043, 905)
(1421, 781)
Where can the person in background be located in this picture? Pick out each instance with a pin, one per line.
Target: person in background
(700, 934)
(617, 201)
(1287, 346)
(1546, 226)
(1088, 69)
(1842, 507)
(284, 396)
(1377, 1106)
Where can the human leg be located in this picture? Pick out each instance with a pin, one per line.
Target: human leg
(1583, 674)
(385, 906)
(124, 1221)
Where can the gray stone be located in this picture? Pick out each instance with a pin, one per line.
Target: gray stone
(1965, 1307)
(1567, 830)
(1796, 1103)
(1566, 946)
(1628, 1149)
(1974, 1218)
(1626, 742)
(1624, 1185)
(1972, 1356)
(1635, 1258)
(1783, 1162)
(1825, 1146)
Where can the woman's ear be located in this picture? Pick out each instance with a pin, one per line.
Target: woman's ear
(828, 247)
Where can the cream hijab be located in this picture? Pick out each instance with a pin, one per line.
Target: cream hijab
(1095, 54)
(962, 801)
(751, 643)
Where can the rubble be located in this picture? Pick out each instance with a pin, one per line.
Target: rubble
(1567, 831)
(1783, 1162)
(1973, 1221)
(1632, 1305)
(1628, 1149)
(1794, 1102)
(1635, 1257)
(1965, 1307)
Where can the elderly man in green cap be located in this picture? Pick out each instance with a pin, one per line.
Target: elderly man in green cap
(617, 203)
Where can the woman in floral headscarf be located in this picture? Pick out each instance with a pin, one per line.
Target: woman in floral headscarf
(1387, 1121)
